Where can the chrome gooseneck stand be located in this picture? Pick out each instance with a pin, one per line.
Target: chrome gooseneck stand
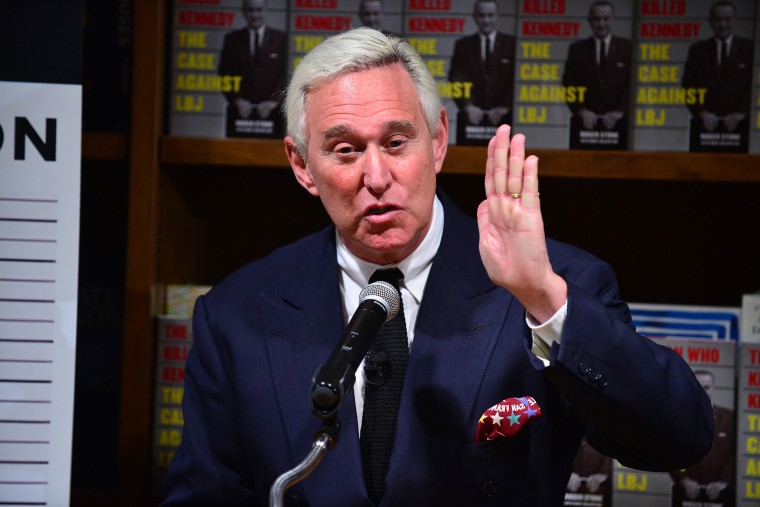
(324, 440)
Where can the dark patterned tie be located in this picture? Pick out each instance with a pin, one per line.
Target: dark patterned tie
(723, 57)
(602, 57)
(384, 370)
(487, 60)
(256, 48)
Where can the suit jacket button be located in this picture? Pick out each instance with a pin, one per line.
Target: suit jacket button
(602, 381)
(488, 488)
(584, 368)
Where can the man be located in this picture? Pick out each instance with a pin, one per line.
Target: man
(368, 135)
(487, 60)
(371, 14)
(602, 65)
(257, 53)
(712, 479)
(723, 65)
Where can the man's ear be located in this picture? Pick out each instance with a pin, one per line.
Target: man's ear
(441, 141)
(298, 165)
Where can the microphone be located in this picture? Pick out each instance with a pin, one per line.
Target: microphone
(379, 302)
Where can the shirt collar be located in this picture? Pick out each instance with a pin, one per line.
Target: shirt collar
(260, 30)
(491, 36)
(413, 266)
(606, 40)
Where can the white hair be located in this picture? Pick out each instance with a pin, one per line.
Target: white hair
(353, 51)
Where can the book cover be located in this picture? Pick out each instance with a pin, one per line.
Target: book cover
(573, 78)
(312, 21)
(686, 321)
(175, 337)
(754, 136)
(469, 47)
(750, 319)
(748, 427)
(228, 68)
(590, 483)
(693, 75)
(712, 481)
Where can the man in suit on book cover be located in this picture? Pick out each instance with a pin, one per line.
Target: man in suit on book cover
(601, 64)
(591, 480)
(723, 65)
(712, 479)
(487, 60)
(257, 53)
(371, 14)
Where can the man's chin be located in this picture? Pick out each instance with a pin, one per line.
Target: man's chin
(381, 250)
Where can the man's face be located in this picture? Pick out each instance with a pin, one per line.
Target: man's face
(254, 12)
(371, 13)
(722, 21)
(707, 383)
(372, 161)
(600, 18)
(486, 15)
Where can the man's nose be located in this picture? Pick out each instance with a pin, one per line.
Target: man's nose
(377, 175)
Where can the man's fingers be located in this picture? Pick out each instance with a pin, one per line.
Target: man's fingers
(530, 183)
(516, 162)
(501, 164)
(489, 183)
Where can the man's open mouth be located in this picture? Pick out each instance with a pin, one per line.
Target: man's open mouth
(380, 210)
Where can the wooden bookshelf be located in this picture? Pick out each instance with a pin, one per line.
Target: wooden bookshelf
(104, 146)
(253, 153)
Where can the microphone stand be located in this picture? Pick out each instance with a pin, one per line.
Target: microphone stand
(334, 379)
(324, 439)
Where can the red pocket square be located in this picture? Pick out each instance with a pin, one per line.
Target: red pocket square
(506, 418)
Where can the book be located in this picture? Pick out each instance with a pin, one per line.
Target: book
(686, 321)
(754, 136)
(475, 78)
(175, 337)
(688, 96)
(714, 365)
(311, 22)
(180, 298)
(569, 92)
(750, 318)
(748, 426)
(226, 79)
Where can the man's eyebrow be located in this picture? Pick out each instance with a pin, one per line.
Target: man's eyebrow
(336, 131)
(402, 125)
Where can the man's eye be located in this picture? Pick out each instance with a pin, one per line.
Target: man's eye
(344, 150)
(395, 143)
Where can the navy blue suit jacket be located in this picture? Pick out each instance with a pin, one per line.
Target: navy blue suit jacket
(261, 333)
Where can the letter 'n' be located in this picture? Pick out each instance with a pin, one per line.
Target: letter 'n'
(24, 130)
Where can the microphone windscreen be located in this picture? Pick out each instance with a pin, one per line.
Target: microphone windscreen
(385, 294)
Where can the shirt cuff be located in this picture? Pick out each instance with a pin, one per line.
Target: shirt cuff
(546, 334)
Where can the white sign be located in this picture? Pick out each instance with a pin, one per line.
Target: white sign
(40, 145)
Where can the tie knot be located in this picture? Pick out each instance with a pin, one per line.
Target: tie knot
(393, 276)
